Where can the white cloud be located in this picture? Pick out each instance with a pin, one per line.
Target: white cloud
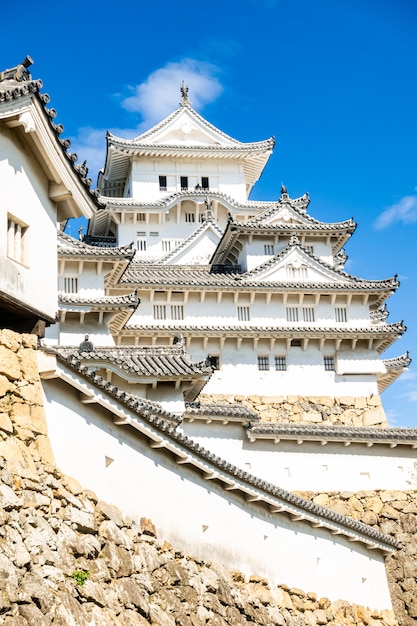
(159, 94)
(404, 212)
(154, 99)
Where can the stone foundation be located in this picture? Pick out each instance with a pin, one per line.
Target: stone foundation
(68, 559)
(324, 410)
(395, 514)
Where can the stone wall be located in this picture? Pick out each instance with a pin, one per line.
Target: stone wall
(395, 514)
(67, 559)
(343, 411)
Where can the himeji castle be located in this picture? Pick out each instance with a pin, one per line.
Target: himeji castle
(256, 289)
(204, 359)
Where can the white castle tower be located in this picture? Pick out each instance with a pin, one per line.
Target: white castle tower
(257, 286)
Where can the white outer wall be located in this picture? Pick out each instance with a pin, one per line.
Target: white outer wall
(310, 466)
(24, 195)
(146, 482)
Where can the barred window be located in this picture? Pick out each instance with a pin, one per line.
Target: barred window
(177, 312)
(268, 248)
(280, 363)
(308, 314)
(184, 183)
(70, 284)
(166, 245)
(310, 249)
(329, 363)
(243, 313)
(292, 314)
(141, 245)
(159, 311)
(141, 217)
(341, 314)
(16, 239)
(190, 217)
(263, 363)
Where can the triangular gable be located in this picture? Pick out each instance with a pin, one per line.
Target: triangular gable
(282, 215)
(294, 263)
(185, 126)
(197, 249)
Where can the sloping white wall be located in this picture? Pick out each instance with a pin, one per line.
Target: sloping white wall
(198, 516)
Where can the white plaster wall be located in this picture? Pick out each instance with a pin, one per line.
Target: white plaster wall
(305, 374)
(121, 469)
(24, 195)
(224, 177)
(310, 466)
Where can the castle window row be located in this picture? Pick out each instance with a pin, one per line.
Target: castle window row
(280, 363)
(305, 314)
(174, 311)
(184, 184)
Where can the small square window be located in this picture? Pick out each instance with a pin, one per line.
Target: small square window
(162, 183)
(308, 314)
(70, 284)
(280, 363)
(292, 314)
(329, 363)
(214, 361)
(177, 312)
(243, 313)
(341, 314)
(159, 311)
(263, 363)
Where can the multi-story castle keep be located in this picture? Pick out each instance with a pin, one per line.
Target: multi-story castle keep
(220, 360)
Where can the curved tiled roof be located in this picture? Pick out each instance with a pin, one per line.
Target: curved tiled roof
(398, 362)
(128, 300)
(17, 83)
(171, 199)
(345, 434)
(141, 140)
(229, 476)
(204, 276)
(67, 245)
(223, 412)
(160, 361)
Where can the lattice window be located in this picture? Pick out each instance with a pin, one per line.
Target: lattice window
(16, 239)
(177, 312)
(329, 363)
(280, 363)
(340, 314)
(308, 314)
(70, 284)
(292, 314)
(263, 363)
(159, 311)
(243, 313)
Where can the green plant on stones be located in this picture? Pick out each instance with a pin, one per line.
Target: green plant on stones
(80, 576)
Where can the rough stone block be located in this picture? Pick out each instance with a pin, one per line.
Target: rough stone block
(6, 423)
(10, 339)
(375, 416)
(9, 364)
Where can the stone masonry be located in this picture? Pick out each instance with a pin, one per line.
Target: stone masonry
(343, 411)
(68, 559)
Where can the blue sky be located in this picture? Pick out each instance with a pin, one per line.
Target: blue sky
(333, 80)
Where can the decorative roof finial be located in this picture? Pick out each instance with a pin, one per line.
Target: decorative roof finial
(208, 213)
(184, 95)
(284, 191)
